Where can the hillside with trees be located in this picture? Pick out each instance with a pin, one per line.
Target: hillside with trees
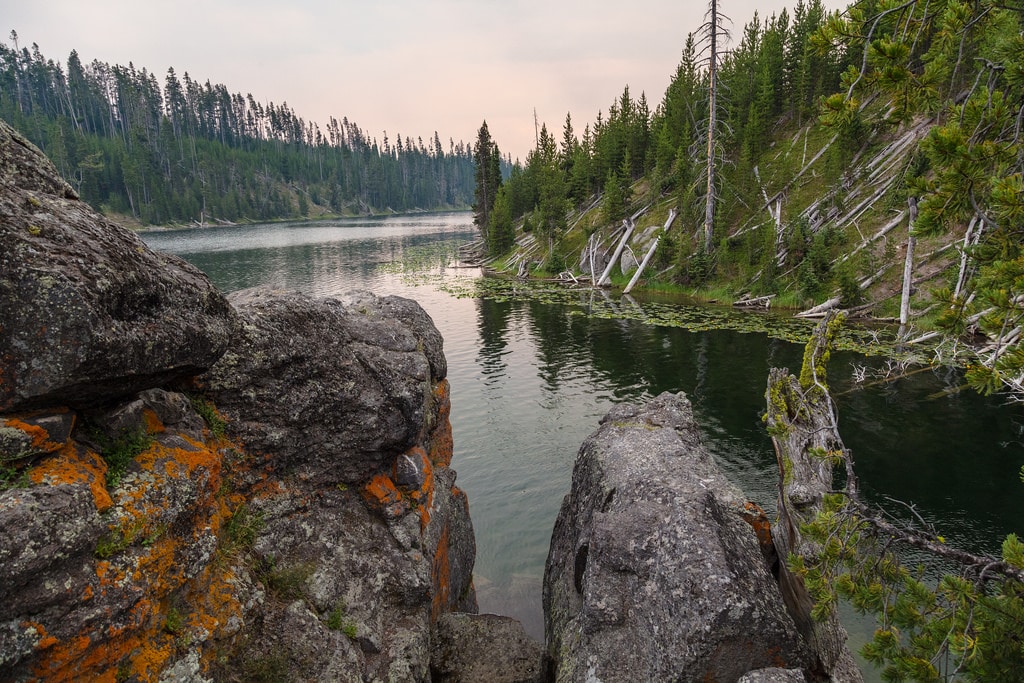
(191, 151)
(870, 160)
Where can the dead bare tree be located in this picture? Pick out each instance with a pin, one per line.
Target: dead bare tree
(711, 32)
(908, 267)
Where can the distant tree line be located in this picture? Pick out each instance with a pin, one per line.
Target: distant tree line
(192, 150)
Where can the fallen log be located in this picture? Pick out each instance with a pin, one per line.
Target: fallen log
(630, 225)
(756, 302)
(650, 252)
(820, 309)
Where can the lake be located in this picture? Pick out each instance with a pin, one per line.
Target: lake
(532, 375)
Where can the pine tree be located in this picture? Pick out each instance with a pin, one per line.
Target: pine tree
(488, 178)
(502, 232)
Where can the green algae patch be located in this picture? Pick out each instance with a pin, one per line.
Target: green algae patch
(684, 314)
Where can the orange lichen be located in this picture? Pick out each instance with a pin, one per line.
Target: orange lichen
(40, 437)
(151, 657)
(152, 422)
(137, 644)
(183, 462)
(45, 640)
(754, 516)
(439, 441)
(57, 665)
(158, 566)
(74, 465)
(381, 491)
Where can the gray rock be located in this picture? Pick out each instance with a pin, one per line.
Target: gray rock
(652, 574)
(48, 537)
(155, 408)
(411, 469)
(324, 549)
(330, 388)
(484, 647)
(774, 676)
(90, 312)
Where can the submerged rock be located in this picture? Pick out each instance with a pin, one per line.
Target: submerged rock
(652, 572)
(485, 647)
(89, 312)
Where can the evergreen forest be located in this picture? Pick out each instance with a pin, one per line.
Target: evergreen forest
(193, 152)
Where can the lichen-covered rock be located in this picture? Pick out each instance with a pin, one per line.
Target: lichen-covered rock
(89, 312)
(330, 387)
(107, 577)
(320, 543)
(652, 573)
(345, 408)
(485, 647)
(34, 433)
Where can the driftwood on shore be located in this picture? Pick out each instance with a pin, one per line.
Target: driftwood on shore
(755, 302)
(821, 310)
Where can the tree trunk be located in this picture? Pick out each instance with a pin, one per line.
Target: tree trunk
(709, 203)
(650, 252)
(618, 252)
(908, 265)
(643, 264)
(802, 421)
(969, 238)
(820, 309)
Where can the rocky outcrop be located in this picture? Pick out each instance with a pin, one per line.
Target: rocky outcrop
(485, 647)
(306, 528)
(89, 312)
(653, 572)
(344, 409)
(192, 556)
(334, 389)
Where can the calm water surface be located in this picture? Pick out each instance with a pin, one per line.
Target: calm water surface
(530, 381)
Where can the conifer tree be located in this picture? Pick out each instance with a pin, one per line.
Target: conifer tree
(488, 178)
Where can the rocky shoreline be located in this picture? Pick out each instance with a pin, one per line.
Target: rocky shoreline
(199, 487)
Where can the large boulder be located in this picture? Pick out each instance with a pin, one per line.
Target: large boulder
(344, 408)
(653, 573)
(89, 312)
(334, 388)
(322, 541)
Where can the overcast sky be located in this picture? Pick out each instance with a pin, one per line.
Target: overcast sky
(401, 66)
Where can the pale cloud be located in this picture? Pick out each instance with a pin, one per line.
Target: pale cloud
(404, 66)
